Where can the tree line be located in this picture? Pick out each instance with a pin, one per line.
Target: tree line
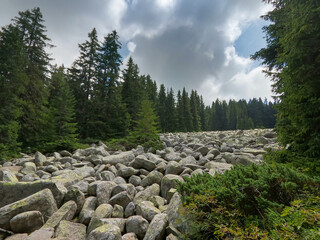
(49, 107)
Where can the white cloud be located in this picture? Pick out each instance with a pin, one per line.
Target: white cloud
(179, 43)
(131, 46)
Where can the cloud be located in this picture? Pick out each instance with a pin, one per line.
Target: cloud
(181, 43)
(192, 45)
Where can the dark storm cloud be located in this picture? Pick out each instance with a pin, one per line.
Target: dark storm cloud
(178, 42)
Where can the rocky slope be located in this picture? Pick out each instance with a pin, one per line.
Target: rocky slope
(96, 194)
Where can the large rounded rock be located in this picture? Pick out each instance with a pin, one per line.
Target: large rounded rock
(88, 210)
(151, 178)
(127, 172)
(77, 196)
(42, 201)
(169, 181)
(107, 232)
(26, 222)
(39, 159)
(122, 199)
(71, 231)
(173, 168)
(157, 227)
(66, 212)
(147, 210)
(103, 211)
(137, 225)
(142, 162)
(147, 193)
(104, 190)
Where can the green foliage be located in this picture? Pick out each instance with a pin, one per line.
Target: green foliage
(146, 131)
(244, 202)
(292, 58)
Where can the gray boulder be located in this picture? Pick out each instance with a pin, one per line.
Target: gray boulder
(151, 178)
(147, 210)
(71, 231)
(124, 157)
(107, 232)
(104, 190)
(137, 225)
(141, 161)
(169, 181)
(66, 212)
(27, 222)
(42, 201)
(147, 193)
(157, 227)
(88, 210)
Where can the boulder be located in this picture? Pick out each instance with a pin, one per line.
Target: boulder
(117, 211)
(137, 225)
(39, 159)
(77, 196)
(151, 178)
(157, 227)
(42, 201)
(147, 210)
(173, 211)
(28, 167)
(141, 161)
(104, 190)
(71, 231)
(122, 199)
(124, 157)
(173, 168)
(119, 222)
(88, 210)
(66, 212)
(8, 176)
(130, 236)
(218, 166)
(103, 211)
(169, 181)
(147, 193)
(19, 190)
(127, 172)
(42, 233)
(106, 231)
(26, 222)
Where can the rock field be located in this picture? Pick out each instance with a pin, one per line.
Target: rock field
(98, 194)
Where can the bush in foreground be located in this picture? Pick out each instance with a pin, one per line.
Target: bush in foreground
(255, 202)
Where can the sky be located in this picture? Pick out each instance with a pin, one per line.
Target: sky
(203, 45)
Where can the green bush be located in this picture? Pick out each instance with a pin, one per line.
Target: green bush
(246, 203)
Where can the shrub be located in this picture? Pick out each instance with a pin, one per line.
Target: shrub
(246, 202)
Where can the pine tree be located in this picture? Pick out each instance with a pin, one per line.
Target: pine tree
(186, 111)
(132, 90)
(161, 107)
(12, 82)
(146, 131)
(292, 58)
(194, 109)
(62, 107)
(109, 110)
(35, 120)
(171, 115)
(83, 75)
(179, 109)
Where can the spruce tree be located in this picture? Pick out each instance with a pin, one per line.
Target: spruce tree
(292, 60)
(12, 81)
(83, 75)
(171, 114)
(132, 90)
(109, 109)
(62, 107)
(194, 109)
(161, 107)
(35, 129)
(146, 131)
